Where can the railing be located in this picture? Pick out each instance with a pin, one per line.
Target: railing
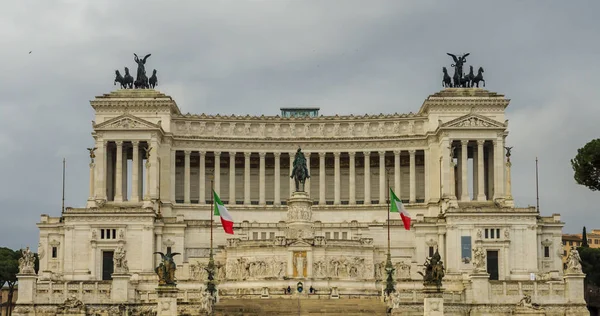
(513, 291)
(87, 291)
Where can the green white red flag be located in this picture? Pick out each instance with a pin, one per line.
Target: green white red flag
(221, 210)
(397, 206)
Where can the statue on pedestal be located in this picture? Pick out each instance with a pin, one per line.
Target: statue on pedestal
(166, 269)
(72, 305)
(574, 261)
(119, 260)
(26, 262)
(434, 270)
(300, 170)
(479, 259)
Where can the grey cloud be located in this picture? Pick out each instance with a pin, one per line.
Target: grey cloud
(256, 56)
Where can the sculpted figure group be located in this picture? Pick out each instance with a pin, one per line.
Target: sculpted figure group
(141, 81)
(248, 268)
(27, 261)
(343, 267)
(460, 79)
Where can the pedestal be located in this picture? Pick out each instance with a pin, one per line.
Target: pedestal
(573, 288)
(119, 288)
(26, 289)
(167, 301)
(480, 288)
(299, 216)
(433, 302)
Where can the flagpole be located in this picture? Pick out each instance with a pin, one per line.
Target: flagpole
(210, 284)
(212, 207)
(389, 268)
(537, 191)
(388, 210)
(62, 209)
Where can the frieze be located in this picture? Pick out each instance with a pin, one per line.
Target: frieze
(255, 268)
(343, 267)
(136, 219)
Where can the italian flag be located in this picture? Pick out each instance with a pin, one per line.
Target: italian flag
(221, 210)
(398, 207)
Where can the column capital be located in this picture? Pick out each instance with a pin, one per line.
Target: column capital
(262, 154)
(277, 154)
(381, 153)
(247, 154)
(352, 154)
(187, 152)
(367, 153)
(202, 153)
(322, 154)
(464, 142)
(135, 143)
(217, 153)
(337, 154)
(119, 142)
(232, 154)
(480, 142)
(412, 152)
(397, 152)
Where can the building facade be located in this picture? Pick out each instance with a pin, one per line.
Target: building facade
(153, 169)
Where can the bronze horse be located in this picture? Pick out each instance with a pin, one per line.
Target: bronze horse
(479, 78)
(446, 81)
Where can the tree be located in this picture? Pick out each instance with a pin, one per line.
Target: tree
(590, 264)
(9, 267)
(584, 242)
(586, 165)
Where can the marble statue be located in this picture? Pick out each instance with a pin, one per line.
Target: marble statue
(479, 259)
(119, 260)
(574, 261)
(26, 262)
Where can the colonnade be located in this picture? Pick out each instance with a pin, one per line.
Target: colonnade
(320, 196)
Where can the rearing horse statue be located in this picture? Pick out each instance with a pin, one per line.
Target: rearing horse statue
(300, 171)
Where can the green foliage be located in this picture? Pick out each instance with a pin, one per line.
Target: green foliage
(586, 165)
(9, 265)
(590, 262)
(584, 242)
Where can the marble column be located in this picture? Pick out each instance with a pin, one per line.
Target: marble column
(480, 173)
(147, 194)
(352, 188)
(261, 179)
(464, 180)
(119, 172)
(202, 178)
(101, 175)
(382, 175)
(232, 177)
(217, 173)
(508, 181)
(247, 200)
(499, 167)
(427, 163)
(92, 171)
(413, 182)
(277, 175)
(322, 178)
(186, 177)
(135, 172)
(124, 173)
(337, 178)
(172, 176)
(367, 157)
(397, 188)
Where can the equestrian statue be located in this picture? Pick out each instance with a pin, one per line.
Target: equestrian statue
(300, 170)
(460, 79)
(141, 81)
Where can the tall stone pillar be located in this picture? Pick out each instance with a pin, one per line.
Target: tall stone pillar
(277, 182)
(232, 177)
(509, 197)
(124, 172)
(101, 174)
(352, 188)
(167, 300)
(337, 176)
(307, 181)
(91, 202)
(261, 179)
(367, 160)
(464, 180)
(119, 172)
(322, 188)
(427, 166)
(382, 175)
(186, 177)
(173, 176)
(397, 188)
(480, 172)
(413, 178)
(247, 200)
(27, 288)
(217, 173)
(292, 182)
(202, 178)
(499, 167)
(433, 303)
(135, 172)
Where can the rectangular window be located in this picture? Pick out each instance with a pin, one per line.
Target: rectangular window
(547, 252)
(336, 235)
(596, 241)
(492, 233)
(255, 235)
(465, 247)
(54, 252)
(114, 234)
(327, 235)
(271, 235)
(102, 234)
(497, 232)
(570, 243)
(487, 232)
(344, 235)
(564, 243)
(263, 235)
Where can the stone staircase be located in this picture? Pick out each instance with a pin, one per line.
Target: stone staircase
(292, 306)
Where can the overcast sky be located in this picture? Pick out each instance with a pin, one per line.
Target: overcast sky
(253, 57)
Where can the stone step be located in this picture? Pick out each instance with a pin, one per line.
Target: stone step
(281, 307)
